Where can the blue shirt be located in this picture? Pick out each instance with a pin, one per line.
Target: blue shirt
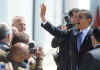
(81, 37)
(84, 33)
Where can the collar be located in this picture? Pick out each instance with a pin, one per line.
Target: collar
(84, 32)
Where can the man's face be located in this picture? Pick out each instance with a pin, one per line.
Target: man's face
(20, 25)
(75, 18)
(84, 21)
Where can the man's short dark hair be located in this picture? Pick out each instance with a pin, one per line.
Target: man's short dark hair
(87, 14)
(4, 30)
(76, 10)
(20, 37)
(96, 33)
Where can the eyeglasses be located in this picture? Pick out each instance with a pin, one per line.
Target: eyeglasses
(82, 17)
(75, 16)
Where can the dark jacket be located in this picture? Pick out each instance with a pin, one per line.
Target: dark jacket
(59, 43)
(91, 60)
(70, 53)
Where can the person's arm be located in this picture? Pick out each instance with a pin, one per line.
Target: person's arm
(54, 31)
(50, 28)
(56, 42)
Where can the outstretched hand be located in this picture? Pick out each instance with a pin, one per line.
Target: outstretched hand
(42, 13)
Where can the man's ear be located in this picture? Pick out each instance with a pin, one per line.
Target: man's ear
(89, 20)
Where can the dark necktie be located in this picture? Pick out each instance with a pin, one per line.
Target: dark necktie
(79, 41)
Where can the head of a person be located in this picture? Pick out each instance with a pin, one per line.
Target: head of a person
(85, 19)
(74, 15)
(20, 37)
(19, 23)
(39, 51)
(19, 52)
(5, 32)
(96, 36)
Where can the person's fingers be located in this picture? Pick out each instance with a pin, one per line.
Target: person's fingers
(43, 10)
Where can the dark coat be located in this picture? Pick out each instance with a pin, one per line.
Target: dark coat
(59, 43)
(70, 54)
(91, 60)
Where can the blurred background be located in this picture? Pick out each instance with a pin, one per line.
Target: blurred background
(56, 10)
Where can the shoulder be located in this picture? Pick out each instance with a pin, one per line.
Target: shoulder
(4, 47)
(95, 53)
(90, 59)
(90, 32)
(91, 56)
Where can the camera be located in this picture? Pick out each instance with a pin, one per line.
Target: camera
(32, 48)
(66, 18)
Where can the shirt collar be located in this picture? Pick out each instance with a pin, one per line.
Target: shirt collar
(84, 33)
(85, 30)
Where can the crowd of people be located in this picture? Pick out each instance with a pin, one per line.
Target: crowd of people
(78, 42)
(17, 49)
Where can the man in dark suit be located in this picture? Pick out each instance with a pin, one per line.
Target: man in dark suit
(70, 37)
(91, 59)
(73, 21)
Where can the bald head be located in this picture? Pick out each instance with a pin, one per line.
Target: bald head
(19, 52)
(19, 23)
